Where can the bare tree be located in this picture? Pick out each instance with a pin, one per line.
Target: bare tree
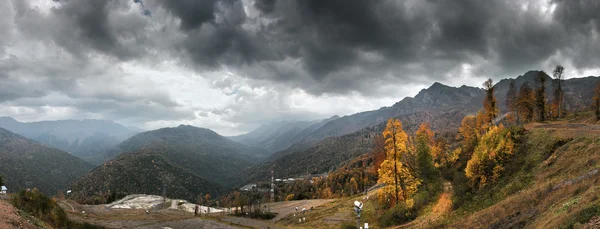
(558, 91)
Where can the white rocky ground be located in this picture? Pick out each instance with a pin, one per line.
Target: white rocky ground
(149, 202)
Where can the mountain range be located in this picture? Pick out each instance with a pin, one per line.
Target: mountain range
(25, 163)
(188, 160)
(279, 136)
(443, 107)
(86, 139)
(182, 158)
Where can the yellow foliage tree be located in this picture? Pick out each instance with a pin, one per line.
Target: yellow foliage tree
(396, 171)
(491, 154)
(469, 134)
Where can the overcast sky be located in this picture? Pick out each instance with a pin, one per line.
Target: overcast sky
(232, 65)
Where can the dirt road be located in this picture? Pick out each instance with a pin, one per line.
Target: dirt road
(284, 209)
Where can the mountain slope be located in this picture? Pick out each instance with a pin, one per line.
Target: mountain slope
(144, 171)
(442, 106)
(199, 151)
(280, 135)
(86, 139)
(25, 163)
(333, 152)
(435, 100)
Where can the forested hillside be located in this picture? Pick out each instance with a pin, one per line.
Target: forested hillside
(27, 164)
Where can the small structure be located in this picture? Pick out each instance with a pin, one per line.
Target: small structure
(3, 190)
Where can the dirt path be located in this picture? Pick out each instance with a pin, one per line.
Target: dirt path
(442, 207)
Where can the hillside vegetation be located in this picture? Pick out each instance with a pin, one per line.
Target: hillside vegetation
(532, 167)
(25, 163)
(185, 160)
(443, 107)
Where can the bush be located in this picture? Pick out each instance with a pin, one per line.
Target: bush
(397, 215)
(583, 216)
(40, 206)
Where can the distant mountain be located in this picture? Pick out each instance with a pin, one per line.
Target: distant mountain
(25, 163)
(143, 171)
(197, 151)
(280, 135)
(442, 106)
(86, 139)
(333, 152)
(437, 99)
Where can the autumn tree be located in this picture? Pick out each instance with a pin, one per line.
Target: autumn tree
(492, 153)
(378, 153)
(540, 96)
(511, 102)
(526, 103)
(424, 142)
(490, 107)
(468, 133)
(353, 186)
(200, 199)
(399, 177)
(596, 102)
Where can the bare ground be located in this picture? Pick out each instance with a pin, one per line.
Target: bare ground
(10, 218)
(136, 218)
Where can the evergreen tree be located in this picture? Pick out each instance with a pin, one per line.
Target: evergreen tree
(540, 96)
(596, 102)
(424, 143)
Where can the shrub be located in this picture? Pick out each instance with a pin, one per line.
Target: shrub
(583, 216)
(397, 215)
(40, 206)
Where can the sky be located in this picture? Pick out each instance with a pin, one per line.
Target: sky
(233, 65)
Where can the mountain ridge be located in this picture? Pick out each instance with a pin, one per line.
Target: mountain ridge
(447, 106)
(26, 163)
(86, 138)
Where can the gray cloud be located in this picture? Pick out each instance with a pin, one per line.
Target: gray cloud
(325, 48)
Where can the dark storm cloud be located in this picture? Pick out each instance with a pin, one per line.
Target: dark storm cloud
(330, 38)
(339, 46)
(335, 47)
(192, 13)
(84, 27)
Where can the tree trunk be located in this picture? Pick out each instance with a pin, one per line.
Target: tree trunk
(395, 164)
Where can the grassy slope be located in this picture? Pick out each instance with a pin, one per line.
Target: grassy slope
(554, 182)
